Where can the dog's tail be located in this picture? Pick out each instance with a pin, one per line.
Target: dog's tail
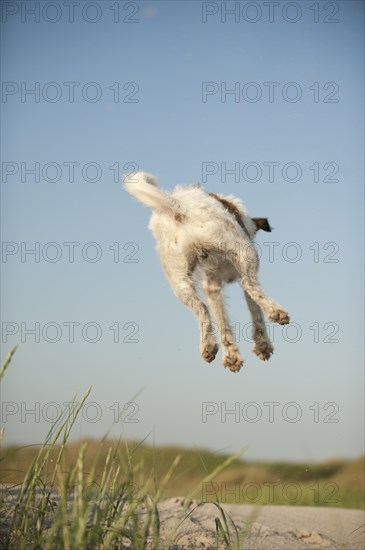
(143, 187)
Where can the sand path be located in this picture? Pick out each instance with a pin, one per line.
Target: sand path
(268, 527)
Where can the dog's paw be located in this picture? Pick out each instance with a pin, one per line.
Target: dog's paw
(232, 359)
(209, 352)
(279, 316)
(263, 350)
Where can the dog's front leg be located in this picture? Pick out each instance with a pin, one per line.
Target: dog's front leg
(246, 262)
(262, 345)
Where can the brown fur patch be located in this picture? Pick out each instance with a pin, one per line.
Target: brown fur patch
(202, 253)
(179, 217)
(232, 209)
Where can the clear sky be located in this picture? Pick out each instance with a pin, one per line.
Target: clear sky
(259, 99)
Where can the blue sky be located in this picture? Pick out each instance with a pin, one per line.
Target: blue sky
(122, 87)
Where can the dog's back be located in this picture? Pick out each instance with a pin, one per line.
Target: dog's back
(188, 208)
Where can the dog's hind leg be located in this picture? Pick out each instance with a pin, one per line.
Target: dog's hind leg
(183, 286)
(212, 287)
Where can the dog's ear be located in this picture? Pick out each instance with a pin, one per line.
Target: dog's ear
(262, 223)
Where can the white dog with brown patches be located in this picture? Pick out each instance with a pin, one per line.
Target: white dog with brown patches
(205, 236)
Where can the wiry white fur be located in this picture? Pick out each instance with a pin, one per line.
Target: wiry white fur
(197, 237)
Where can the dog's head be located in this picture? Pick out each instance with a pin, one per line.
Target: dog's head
(262, 223)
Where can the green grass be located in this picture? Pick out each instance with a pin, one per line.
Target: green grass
(91, 494)
(87, 495)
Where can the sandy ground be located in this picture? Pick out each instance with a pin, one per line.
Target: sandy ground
(258, 528)
(269, 527)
